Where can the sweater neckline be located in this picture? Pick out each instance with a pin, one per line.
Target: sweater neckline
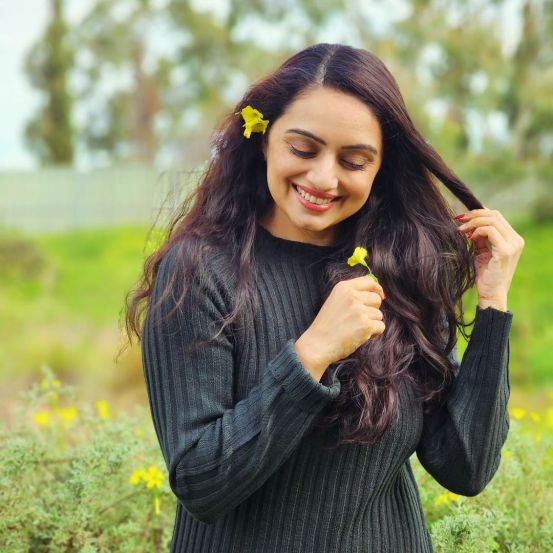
(271, 242)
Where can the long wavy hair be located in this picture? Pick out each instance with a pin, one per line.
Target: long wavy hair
(406, 225)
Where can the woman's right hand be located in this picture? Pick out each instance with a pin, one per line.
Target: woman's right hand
(348, 318)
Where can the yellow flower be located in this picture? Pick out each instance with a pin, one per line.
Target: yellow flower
(446, 497)
(153, 477)
(518, 413)
(536, 417)
(42, 418)
(67, 414)
(254, 121)
(137, 476)
(102, 406)
(358, 258)
(139, 433)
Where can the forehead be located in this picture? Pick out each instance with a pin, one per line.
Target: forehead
(330, 113)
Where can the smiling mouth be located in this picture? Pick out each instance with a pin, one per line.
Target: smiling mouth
(323, 201)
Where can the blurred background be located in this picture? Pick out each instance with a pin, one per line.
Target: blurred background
(108, 107)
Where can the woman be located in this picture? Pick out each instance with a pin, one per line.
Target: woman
(287, 389)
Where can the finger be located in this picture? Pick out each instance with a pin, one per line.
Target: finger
(494, 213)
(367, 284)
(487, 221)
(378, 328)
(371, 299)
(375, 314)
(492, 234)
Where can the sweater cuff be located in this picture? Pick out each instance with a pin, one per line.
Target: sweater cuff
(307, 392)
(487, 353)
(492, 325)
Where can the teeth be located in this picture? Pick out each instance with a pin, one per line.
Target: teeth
(310, 198)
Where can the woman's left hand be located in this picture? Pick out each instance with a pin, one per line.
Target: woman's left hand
(497, 248)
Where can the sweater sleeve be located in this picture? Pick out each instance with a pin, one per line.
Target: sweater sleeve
(461, 442)
(218, 453)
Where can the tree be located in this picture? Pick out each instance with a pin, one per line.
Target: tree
(49, 134)
(527, 98)
(112, 41)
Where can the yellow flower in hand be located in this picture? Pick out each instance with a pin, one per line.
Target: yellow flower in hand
(358, 258)
(254, 121)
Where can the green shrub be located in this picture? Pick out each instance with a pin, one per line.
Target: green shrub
(513, 514)
(75, 478)
(542, 209)
(20, 257)
(66, 476)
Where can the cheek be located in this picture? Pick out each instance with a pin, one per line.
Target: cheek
(361, 188)
(283, 171)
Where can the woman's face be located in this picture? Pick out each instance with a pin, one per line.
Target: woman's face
(327, 144)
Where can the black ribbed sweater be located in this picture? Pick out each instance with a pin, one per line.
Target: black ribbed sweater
(235, 422)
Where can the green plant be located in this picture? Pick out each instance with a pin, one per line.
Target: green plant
(75, 479)
(513, 513)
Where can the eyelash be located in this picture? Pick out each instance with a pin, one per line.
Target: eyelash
(306, 155)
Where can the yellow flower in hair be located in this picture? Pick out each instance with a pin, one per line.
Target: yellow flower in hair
(358, 258)
(254, 121)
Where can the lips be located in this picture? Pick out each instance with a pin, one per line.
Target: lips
(321, 195)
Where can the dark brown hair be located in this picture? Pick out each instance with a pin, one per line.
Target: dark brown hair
(406, 225)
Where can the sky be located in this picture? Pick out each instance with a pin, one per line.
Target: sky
(21, 24)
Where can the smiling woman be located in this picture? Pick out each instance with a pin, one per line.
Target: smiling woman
(313, 168)
(288, 389)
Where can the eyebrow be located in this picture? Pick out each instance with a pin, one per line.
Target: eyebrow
(321, 141)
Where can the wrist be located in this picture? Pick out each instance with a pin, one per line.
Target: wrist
(499, 303)
(313, 363)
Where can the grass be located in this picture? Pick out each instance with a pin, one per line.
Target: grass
(63, 304)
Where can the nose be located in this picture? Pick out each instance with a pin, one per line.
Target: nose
(322, 175)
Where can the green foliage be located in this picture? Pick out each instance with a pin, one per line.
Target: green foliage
(75, 477)
(68, 317)
(451, 55)
(514, 512)
(542, 209)
(65, 477)
(20, 257)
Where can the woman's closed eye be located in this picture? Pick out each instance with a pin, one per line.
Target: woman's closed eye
(304, 154)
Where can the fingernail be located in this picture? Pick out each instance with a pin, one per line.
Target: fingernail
(460, 217)
(384, 294)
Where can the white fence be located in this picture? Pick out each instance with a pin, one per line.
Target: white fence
(55, 200)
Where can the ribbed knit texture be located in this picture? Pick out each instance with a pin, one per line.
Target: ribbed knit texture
(235, 422)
